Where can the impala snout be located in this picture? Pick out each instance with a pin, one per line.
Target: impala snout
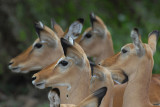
(13, 67)
(10, 63)
(37, 82)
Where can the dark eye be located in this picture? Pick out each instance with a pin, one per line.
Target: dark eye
(88, 35)
(38, 45)
(64, 63)
(124, 51)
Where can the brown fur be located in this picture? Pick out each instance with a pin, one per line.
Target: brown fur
(36, 59)
(139, 71)
(92, 100)
(102, 78)
(77, 77)
(100, 45)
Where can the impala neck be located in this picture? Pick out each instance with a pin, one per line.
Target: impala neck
(136, 92)
(108, 98)
(79, 89)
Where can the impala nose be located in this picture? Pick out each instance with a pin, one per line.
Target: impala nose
(10, 63)
(33, 78)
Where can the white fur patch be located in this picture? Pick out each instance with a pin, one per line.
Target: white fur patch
(41, 24)
(62, 85)
(74, 30)
(54, 99)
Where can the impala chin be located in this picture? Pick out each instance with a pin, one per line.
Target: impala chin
(40, 85)
(15, 69)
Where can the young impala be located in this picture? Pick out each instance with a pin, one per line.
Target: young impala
(44, 51)
(154, 91)
(135, 61)
(70, 74)
(93, 100)
(97, 40)
(97, 36)
(101, 77)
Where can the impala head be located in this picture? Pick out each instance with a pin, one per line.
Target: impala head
(136, 56)
(93, 100)
(95, 39)
(45, 50)
(101, 77)
(66, 70)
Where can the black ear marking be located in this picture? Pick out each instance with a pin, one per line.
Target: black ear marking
(92, 18)
(126, 77)
(57, 91)
(136, 30)
(65, 44)
(100, 93)
(38, 27)
(156, 32)
(92, 65)
(53, 22)
(81, 20)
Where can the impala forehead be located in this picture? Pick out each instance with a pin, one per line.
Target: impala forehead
(63, 58)
(128, 46)
(86, 31)
(38, 41)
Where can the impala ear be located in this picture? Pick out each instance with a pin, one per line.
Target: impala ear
(75, 29)
(57, 28)
(137, 42)
(39, 27)
(152, 40)
(45, 34)
(94, 100)
(98, 74)
(54, 97)
(65, 44)
(119, 76)
(98, 25)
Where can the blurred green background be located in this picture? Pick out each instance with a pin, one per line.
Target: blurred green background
(17, 32)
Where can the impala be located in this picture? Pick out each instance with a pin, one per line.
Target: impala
(97, 36)
(44, 51)
(97, 40)
(101, 77)
(70, 74)
(154, 91)
(135, 61)
(93, 100)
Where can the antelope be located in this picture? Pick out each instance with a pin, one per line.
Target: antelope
(93, 100)
(45, 50)
(97, 40)
(101, 77)
(97, 36)
(70, 74)
(135, 61)
(97, 23)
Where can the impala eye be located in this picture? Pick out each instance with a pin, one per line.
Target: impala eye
(88, 35)
(124, 51)
(38, 45)
(64, 63)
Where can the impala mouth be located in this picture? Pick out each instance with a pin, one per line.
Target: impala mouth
(40, 85)
(14, 69)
